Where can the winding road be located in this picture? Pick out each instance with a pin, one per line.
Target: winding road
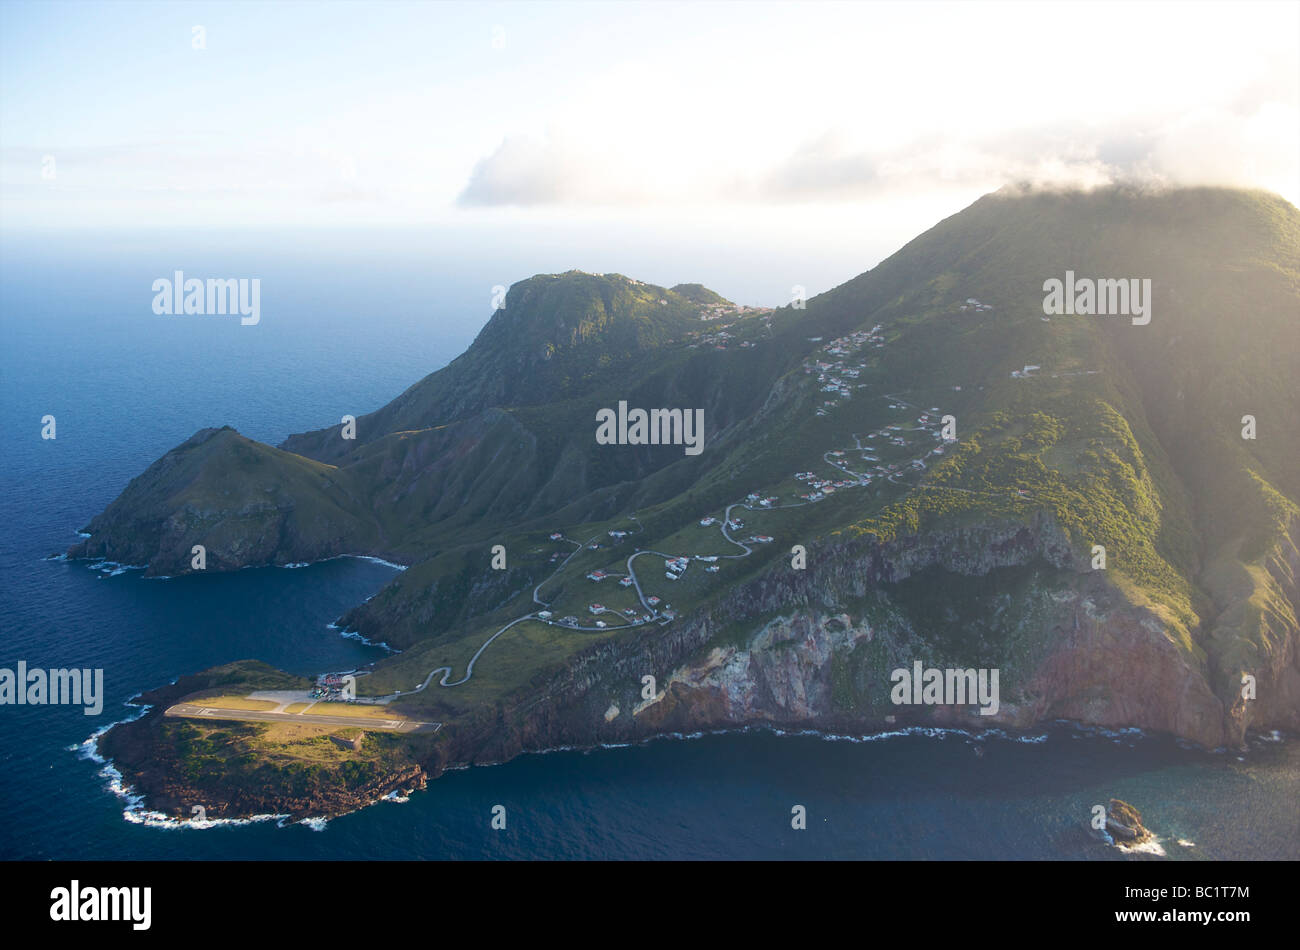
(446, 671)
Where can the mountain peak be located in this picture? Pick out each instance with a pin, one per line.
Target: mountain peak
(554, 336)
(597, 315)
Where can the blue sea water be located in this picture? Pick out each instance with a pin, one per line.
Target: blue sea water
(344, 330)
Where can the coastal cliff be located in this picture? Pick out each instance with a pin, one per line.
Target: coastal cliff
(794, 650)
(1083, 504)
(1080, 651)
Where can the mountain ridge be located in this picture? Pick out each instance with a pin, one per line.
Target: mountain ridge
(980, 550)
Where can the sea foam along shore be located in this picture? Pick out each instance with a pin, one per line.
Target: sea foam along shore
(114, 568)
(135, 811)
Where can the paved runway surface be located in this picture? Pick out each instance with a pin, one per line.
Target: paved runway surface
(193, 711)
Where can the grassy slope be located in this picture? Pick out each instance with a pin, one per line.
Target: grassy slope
(1143, 457)
(1110, 455)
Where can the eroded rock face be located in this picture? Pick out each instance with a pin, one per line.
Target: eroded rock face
(783, 673)
(1114, 665)
(1100, 658)
(1103, 661)
(1275, 690)
(1109, 668)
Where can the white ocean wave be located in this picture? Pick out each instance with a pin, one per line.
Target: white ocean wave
(134, 810)
(353, 635)
(1150, 846)
(114, 568)
(933, 732)
(377, 560)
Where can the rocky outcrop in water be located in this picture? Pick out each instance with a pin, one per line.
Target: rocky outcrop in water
(1124, 823)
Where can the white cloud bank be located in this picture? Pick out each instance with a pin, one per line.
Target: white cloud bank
(728, 112)
(852, 102)
(1259, 148)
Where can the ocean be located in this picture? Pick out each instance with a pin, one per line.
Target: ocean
(343, 331)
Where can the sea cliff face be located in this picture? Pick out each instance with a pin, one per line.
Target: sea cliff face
(242, 502)
(980, 557)
(1268, 608)
(808, 649)
(786, 650)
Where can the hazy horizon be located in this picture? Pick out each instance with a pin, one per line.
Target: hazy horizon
(801, 143)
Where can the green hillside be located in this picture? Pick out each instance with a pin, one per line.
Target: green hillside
(976, 549)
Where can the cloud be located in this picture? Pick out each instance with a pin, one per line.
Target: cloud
(829, 170)
(555, 169)
(1249, 140)
(522, 171)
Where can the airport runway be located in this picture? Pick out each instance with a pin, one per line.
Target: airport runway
(194, 711)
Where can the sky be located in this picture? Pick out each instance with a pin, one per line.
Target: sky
(807, 129)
